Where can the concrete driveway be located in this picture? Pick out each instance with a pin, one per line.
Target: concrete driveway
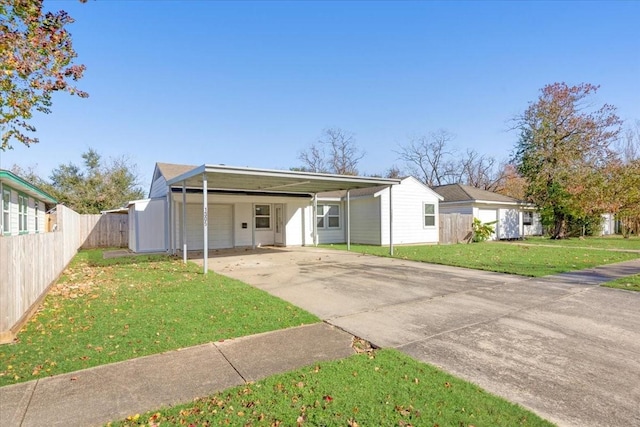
(568, 351)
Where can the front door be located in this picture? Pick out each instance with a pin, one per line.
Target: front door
(279, 224)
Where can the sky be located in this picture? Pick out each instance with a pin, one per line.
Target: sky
(255, 83)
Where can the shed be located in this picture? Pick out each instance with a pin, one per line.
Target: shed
(513, 218)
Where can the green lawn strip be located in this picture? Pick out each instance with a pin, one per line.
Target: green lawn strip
(606, 242)
(104, 311)
(534, 261)
(630, 283)
(384, 388)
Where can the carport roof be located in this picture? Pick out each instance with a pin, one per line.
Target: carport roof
(250, 179)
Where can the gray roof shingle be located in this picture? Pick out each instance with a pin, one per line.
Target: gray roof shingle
(463, 193)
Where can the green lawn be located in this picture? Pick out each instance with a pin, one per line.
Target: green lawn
(503, 257)
(605, 242)
(382, 388)
(631, 283)
(104, 311)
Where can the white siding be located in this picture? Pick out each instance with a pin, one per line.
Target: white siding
(243, 211)
(408, 200)
(535, 229)
(509, 224)
(158, 188)
(486, 215)
(446, 208)
(333, 235)
(365, 220)
(147, 226)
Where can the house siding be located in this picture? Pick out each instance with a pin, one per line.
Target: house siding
(334, 235)
(158, 188)
(240, 212)
(408, 201)
(365, 221)
(14, 214)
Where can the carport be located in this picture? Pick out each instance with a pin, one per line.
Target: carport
(215, 178)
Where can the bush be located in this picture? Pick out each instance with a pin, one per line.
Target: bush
(482, 231)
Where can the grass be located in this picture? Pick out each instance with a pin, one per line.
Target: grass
(104, 311)
(502, 257)
(630, 283)
(381, 388)
(605, 242)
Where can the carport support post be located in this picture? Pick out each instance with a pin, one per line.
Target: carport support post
(184, 222)
(314, 221)
(390, 222)
(205, 222)
(348, 221)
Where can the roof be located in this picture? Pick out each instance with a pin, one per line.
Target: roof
(467, 193)
(26, 187)
(170, 170)
(364, 192)
(222, 177)
(358, 192)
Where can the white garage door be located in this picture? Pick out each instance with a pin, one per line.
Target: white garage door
(488, 215)
(220, 234)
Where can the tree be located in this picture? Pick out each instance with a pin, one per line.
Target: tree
(434, 161)
(36, 60)
(430, 158)
(335, 152)
(511, 183)
(97, 187)
(563, 145)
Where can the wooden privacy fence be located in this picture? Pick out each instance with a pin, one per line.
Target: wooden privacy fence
(455, 228)
(30, 263)
(104, 231)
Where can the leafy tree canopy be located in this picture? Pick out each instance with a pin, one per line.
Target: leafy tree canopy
(563, 152)
(36, 60)
(92, 187)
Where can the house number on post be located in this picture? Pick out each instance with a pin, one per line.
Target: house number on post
(205, 217)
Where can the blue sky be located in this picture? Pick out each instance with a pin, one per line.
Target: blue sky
(254, 83)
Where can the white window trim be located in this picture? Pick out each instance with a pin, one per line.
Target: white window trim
(325, 216)
(23, 210)
(256, 216)
(425, 214)
(6, 213)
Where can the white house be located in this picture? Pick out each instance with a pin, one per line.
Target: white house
(513, 218)
(217, 206)
(23, 206)
(415, 215)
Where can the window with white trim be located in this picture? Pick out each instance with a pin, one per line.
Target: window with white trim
(527, 218)
(6, 211)
(263, 217)
(429, 212)
(328, 216)
(35, 214)
(23, 202)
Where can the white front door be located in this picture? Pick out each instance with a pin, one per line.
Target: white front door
(279, 224)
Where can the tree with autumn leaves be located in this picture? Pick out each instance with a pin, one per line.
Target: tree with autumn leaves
(36, 60)
(565, 155)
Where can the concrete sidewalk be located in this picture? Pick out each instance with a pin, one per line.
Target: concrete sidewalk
(111, 392)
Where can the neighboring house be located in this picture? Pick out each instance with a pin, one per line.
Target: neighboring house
(513, 218)
(415, 215)
(23, 206)
(241, 207)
